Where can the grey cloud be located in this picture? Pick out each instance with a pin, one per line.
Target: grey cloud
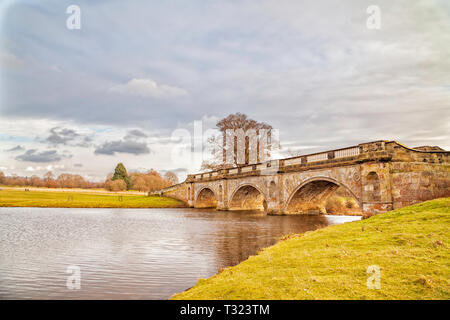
(135, 133)
(16, 148)
(65, 136)
(318, 74)
(132, 143)
(123, 146)
(33, 155)
(61, 136)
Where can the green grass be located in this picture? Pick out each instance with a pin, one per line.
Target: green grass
(410, 245)
(20, 198)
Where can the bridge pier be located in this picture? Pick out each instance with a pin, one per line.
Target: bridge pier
(273, 208)
(222, 207)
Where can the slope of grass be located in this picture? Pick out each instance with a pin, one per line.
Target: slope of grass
(410, 245)
(21, 198)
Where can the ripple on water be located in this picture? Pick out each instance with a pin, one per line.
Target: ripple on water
(130, 253)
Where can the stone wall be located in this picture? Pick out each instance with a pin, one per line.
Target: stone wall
(416, 182)
(179, 191)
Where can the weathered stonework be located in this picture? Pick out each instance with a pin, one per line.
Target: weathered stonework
(381, 176)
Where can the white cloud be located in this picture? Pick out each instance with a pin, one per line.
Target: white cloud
(148, 88)
(9, 60)
(41, 169)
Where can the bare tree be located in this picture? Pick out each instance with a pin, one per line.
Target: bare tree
(48, 176)
(171, 177)
(250, 138)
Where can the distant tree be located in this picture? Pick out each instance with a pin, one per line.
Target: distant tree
(78, 181)
(49, 181)
(51, 184)
(140, 184)
(152, 180)
(65, 180)
(120, 173)
(48, 176)
(171, 177)
(35, 181)
(116, 185)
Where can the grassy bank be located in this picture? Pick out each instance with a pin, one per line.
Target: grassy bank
(410, 245)
(21, 198)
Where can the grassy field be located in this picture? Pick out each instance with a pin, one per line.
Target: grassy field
(410, 245)
(21, 198)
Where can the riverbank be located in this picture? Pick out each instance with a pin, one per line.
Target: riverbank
(410, 246)
(10, 197)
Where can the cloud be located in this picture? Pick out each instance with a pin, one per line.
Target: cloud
(34, 155)
(319, 75)
(123, 146)
(148, 88)
(46, 168)
(64, 136)
(54, 167)
(132, 143)
(9, 60)
(16, 148)
(135, 134)
(177, 170)
(61, 136)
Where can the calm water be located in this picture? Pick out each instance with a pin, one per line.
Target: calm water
(130, 253)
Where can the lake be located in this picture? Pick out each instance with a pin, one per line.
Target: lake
(131, 253)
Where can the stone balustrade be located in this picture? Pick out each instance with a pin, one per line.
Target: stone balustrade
(336, 155)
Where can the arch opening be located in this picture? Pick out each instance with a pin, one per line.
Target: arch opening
(206, 199)
(248, 198)
(323, 197)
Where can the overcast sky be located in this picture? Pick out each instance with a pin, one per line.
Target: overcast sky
(79, 101)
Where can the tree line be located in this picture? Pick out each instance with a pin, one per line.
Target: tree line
(152, 180)
(120, 180)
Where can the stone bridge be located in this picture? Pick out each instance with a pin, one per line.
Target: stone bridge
(380, 176)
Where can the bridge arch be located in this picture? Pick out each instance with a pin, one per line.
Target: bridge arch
(206, 198)
(311, 195)
(248, 196)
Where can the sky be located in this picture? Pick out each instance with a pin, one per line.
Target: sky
(137, 73)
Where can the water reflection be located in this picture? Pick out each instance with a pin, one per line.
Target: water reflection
(130, 253)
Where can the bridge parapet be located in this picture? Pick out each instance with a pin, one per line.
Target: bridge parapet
(360, 153)
(372, 151)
